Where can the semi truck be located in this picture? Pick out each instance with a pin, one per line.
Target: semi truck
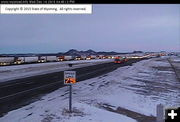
(65, 58)
(31, 59)
(6, 60)
(51, 58)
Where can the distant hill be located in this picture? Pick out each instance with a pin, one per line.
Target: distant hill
(137, 52)
(109, 53)
(72, 52)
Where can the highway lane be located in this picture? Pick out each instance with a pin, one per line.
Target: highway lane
(19, 85)
(26, 90)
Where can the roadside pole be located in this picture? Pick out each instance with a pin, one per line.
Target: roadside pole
(160, 113)
(70, 79)
(70, 98)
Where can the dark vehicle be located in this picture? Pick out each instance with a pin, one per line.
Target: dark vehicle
(119, 60)
(125, 59)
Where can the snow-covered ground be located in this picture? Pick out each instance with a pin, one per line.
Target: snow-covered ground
(20, 71)
(138, 88)
(175, 58)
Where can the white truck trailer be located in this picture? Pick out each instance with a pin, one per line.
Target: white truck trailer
(83, 57)
(6, 60)
(31, 59)
(67, 58)
(51, 58)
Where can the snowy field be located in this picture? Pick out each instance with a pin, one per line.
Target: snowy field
(21, 71)
(138, 88)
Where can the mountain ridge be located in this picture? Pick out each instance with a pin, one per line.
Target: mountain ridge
(72, 52)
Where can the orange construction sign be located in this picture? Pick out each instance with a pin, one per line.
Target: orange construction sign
(70, 80)
(69, 77)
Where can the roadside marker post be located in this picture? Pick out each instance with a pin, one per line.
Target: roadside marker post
(69, 79)
(70, 98)
(160, 113)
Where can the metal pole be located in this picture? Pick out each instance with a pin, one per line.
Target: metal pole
(70, 98)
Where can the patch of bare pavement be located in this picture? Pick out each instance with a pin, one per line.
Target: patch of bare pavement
(137, 116)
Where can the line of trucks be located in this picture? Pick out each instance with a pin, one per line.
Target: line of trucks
(41, 59)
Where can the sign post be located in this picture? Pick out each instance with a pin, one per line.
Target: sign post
(70, 98)
(69, 79)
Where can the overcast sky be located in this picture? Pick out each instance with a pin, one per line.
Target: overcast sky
(120, 28)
